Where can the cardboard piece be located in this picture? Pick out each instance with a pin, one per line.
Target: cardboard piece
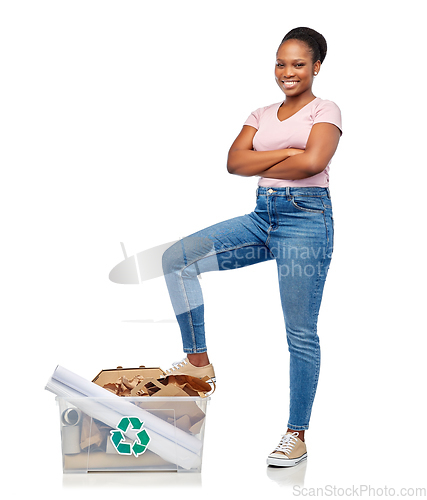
(144, 381)
(93, 434)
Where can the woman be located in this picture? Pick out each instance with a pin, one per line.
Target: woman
(289, 145)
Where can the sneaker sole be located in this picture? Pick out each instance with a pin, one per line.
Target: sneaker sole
(205, 378)
(286, 462)
(211, 380)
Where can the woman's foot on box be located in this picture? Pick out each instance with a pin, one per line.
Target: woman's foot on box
(184, 367)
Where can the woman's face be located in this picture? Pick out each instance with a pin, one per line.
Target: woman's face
(294, 68)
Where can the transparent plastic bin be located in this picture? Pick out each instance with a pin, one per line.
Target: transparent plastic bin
(149, 434)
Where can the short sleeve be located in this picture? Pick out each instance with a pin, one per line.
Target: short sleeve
(254, 117)
(328, 112)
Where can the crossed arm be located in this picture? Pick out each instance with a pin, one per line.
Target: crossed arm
(289, 163)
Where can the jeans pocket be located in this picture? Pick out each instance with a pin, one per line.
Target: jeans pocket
(308, 204)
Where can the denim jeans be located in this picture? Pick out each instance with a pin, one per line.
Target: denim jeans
(293, 226)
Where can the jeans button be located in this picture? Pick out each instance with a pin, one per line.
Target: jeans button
(270, 191)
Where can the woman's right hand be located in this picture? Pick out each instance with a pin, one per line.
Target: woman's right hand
(294, 151)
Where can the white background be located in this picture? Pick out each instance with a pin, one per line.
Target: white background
(116, 119)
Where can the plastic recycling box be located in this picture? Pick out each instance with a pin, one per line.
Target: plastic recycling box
(146, 434)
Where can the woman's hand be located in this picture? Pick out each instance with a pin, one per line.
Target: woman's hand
(294, 151)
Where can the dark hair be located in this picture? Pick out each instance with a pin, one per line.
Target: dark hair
(314, 40)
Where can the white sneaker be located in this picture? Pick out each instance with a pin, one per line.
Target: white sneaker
(184, 367)
(289, 452)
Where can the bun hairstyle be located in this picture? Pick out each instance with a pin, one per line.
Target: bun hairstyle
(314, 40)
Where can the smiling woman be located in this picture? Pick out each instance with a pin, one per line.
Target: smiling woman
(309, 141)
(289, 145)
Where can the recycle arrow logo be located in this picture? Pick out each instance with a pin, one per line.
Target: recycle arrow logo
(118, 439)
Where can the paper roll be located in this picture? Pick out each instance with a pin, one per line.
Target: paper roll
(71, 416)
(71, 440)
(70, 419)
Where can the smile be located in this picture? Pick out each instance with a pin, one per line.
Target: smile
(290, 83)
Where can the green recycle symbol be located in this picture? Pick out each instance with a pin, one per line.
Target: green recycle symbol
(117, 437)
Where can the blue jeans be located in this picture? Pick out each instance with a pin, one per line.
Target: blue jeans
(293, 226)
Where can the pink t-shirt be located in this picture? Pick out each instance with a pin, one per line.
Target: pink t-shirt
(292, 133)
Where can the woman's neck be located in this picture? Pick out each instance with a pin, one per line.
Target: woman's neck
(299, 101)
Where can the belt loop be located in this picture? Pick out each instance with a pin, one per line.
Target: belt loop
(288, 191)
(329, 192)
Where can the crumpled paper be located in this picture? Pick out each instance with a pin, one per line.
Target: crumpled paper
(93, 434)
(122, 386)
